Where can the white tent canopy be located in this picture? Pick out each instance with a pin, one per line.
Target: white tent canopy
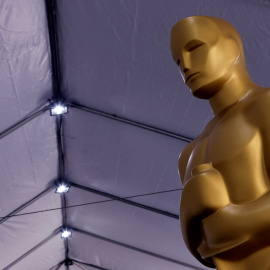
(129, 117)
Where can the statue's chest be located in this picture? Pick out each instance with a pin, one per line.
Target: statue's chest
(233, 144)
(232, 136)
(223, 140)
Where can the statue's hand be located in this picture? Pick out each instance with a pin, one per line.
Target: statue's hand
(234, 225)
(222, 231)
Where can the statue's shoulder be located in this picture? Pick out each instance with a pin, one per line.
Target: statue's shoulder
(262, 98)
(262, 94)
(259, 106)
(183, 159)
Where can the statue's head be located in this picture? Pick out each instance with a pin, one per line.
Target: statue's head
(208, 51)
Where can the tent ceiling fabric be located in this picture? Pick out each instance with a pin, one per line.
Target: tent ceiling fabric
(114, 57)
(109, 161)
(25, 59)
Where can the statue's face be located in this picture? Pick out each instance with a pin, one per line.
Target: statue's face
(203, 55)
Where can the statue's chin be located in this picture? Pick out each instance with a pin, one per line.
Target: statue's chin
(208, 90)
(204, 92)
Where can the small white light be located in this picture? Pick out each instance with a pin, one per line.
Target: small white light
(58, 108)
(65, 233)
(62, 188)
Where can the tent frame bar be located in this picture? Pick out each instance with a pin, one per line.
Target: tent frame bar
(52, 28)
(129, 122)
(122, 200)
(61, 161)
(135, 249)
(31, 201)
(88, 264)
(51, 18)
(33, 249)
(57, 266)
(61, 172)
(23, 121)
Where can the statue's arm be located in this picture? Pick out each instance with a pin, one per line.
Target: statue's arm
(183, 160)
(263, 118)
(190, 227)
(185, 226)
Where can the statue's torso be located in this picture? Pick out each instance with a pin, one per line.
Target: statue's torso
(233, 143)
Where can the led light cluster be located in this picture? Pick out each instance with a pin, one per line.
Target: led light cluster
(66, 233)
(58, 108)
(62, 188)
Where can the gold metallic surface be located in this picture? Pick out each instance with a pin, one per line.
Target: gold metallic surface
(225, 204)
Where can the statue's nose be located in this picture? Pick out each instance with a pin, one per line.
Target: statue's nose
(186, 62)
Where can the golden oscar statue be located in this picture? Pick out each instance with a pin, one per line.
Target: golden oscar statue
(225, 204)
